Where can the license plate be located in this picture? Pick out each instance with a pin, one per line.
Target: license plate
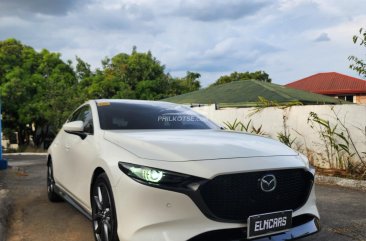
(269, 223)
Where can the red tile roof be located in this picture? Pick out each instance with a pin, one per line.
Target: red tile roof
(330, 83)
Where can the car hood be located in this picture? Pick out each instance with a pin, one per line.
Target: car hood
(194, 145)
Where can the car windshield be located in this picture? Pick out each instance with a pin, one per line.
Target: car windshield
(145, 115)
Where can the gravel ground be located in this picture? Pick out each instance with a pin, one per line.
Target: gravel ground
(4, 211)
(33, 217)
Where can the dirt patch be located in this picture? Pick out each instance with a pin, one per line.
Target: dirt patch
(5, 205)
(33, 217)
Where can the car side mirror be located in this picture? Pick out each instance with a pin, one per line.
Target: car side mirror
(75, 128)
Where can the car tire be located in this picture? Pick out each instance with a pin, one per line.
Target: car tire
(52, 195)
(103, 210)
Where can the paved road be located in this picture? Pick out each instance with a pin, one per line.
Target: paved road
(343, 214)
(343, 211)
(33, 216)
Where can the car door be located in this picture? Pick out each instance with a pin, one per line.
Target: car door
(80, 154)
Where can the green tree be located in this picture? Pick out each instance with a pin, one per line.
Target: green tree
(36, 89)
(120, 76)
(359, 65)
(235, 76)
(188, 83)
(143, 66)
(134, 76)
(191, 82)
(152, 89)
(57, 93)
(83, 70)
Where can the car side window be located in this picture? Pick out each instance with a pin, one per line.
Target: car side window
(84, 114)
(74, 116)
(88, 121)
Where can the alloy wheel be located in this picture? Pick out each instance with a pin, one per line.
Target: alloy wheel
(50, 180)
(103, 220)
(51, 185)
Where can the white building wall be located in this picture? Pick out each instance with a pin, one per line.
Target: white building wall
(307, 139)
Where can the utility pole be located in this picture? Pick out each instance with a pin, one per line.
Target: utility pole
(3, 162)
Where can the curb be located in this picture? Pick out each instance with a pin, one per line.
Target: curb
(26, 153)
(342, 182)
(4, 212)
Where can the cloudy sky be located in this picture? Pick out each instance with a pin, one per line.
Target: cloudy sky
(289, 39)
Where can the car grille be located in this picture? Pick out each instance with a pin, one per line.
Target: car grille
(235, 197)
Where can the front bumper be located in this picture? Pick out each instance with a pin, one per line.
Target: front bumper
(304, 225)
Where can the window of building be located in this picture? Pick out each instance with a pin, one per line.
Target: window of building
(346, 98)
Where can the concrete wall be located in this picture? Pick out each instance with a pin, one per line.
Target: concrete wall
(307, 140)
(6, 145)
(360, 99)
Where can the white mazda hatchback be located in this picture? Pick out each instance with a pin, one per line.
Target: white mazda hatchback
(157, 171)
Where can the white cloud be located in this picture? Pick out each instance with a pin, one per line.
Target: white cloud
(323, 37)
(211, 37)
(12, 21)
(287, 5)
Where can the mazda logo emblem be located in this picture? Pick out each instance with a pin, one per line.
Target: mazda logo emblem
(268, 183)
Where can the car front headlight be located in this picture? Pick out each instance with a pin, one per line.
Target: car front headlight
(158, 177)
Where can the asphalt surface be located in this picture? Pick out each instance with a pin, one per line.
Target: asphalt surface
(4, 211)
(33, 217)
